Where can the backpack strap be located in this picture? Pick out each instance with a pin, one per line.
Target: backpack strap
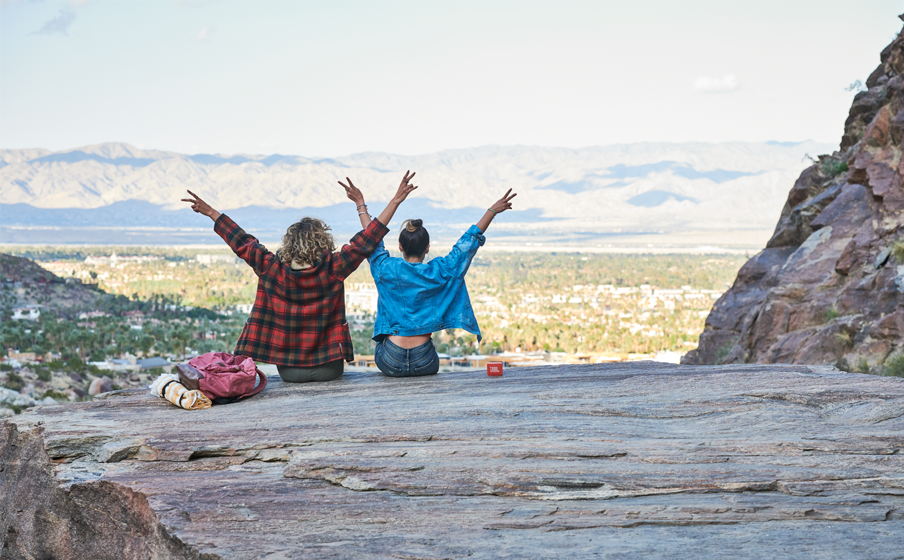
(260, 386)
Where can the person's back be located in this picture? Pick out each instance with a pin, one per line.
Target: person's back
(417, 299)
(298, 318)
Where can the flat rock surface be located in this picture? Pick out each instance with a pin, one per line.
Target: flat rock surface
(597, 460)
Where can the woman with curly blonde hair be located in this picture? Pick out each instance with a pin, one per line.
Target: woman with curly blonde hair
(298, 318)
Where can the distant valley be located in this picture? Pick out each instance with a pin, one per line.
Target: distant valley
(116, 193)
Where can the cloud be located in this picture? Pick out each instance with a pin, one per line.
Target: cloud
(728, 82)
(60, 24)
(206, 34)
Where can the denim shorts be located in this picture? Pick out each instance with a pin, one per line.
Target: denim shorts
(396, 361)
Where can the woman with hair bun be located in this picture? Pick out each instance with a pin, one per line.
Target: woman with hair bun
(417, 299)
(298, 318)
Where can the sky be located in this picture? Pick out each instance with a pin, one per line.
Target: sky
(322, 79)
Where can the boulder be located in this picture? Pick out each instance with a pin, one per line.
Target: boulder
(100, 385)
(610, 460)
(15, 398)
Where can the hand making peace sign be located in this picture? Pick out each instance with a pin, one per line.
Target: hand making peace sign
(405, 187)
(504, 203)
(201, 207)
(352, 192)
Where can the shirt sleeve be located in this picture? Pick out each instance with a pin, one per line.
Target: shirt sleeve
(362, 245)
(245, 246)
(458, 261)
(377, 258)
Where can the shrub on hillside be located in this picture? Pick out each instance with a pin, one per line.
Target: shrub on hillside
(56, 395)
(14, 381)
(894, 365)
(833, 167)
(897, 250)
(723, 353)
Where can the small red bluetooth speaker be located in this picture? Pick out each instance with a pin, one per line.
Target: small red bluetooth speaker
(494, 369)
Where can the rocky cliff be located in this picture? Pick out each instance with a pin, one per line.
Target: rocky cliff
(612, 461)
(827, 287)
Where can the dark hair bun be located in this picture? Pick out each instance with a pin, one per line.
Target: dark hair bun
(414, 238)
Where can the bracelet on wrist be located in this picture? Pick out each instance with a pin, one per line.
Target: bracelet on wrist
(495, 213)
(364, 212)
(360, 205)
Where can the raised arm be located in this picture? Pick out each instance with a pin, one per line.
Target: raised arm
(245, 246)
(498, 207)
(457, 262)
(361, 246)
(355, 195)
(405, 188)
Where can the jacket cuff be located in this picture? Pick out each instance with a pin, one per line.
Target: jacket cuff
(475, 231)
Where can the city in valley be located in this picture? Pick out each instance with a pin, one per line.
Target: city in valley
(148, 308)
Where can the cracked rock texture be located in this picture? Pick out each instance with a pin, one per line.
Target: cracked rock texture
(617, 460)
(827, 288)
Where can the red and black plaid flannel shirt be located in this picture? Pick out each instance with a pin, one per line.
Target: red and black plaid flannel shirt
(298, 318)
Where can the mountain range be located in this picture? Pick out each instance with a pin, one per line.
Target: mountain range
(607, 190)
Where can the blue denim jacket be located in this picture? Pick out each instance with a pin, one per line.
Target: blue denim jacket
(422, 298)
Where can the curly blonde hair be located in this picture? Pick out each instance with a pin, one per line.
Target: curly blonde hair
(306, 241)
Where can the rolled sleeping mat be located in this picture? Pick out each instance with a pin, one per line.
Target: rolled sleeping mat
(168, 387)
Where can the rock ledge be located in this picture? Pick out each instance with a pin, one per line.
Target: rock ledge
(608, 460)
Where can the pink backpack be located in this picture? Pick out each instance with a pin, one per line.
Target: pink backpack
(222, 377)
